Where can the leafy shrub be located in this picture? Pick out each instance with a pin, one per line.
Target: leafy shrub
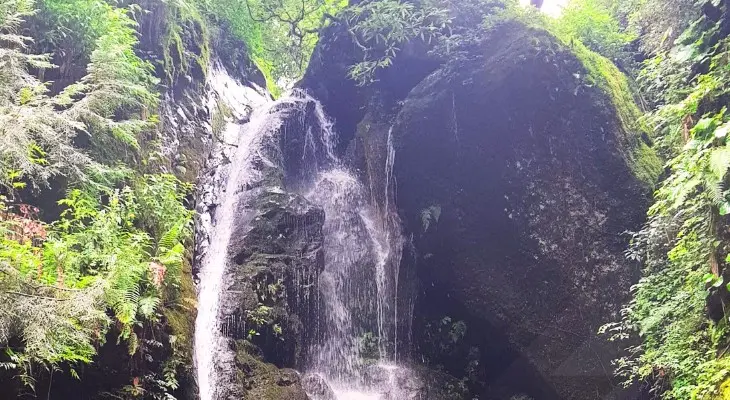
(380, 28)
(38, 140)
(678, 307)
(593, 23)
(118, 250)
(117, 254)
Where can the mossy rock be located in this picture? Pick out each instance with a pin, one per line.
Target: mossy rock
(265, 381)
(536, 174)
(601, 72)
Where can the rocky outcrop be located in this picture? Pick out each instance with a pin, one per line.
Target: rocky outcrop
(520, 211)
(516, 180)
(271, 261)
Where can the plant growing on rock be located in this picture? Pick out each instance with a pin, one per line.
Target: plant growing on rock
(117, 252)
(381, 28)
(678, 307)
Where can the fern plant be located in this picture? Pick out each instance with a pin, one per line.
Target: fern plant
(683, 246)
(38, 140)
(117, 94)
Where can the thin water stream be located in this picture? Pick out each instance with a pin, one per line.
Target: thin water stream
(362, 249)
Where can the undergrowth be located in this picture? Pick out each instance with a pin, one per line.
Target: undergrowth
(117, 252)
(678, 307)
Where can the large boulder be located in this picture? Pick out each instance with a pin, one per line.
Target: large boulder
(519, 180)
(516, 175)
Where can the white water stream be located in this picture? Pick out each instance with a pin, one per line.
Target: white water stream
(362, 250)
(210, 347)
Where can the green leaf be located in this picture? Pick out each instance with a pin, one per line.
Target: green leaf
(703, 126)
(719, 161)
(722, 131)
(724, 208)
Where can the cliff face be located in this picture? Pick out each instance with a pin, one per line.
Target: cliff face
(188, 142)
(515, 180)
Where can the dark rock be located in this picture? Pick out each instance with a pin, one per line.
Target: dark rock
(317, 387)
(273, 260)
(264, 381)
(516, 180)
(288, 377)
(513, 178)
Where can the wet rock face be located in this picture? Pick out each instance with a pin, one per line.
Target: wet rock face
(511, 176)
(260, 380)
(268, 297)
(276, 262)
(512, 182)
(317, 387)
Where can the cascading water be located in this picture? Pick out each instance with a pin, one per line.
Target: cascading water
(245, 159)
(211, 353)
(362, 248)
(358, 287)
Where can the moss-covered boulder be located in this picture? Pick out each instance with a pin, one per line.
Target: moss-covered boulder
(518, 178)
(519, 164)
(262, 380)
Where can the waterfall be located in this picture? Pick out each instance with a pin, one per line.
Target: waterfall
(362, 247)
(243, 160)
(358, 287)
(210, 347)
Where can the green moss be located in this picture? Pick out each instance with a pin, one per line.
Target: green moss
(180, 319)
(259, 379)
(184, 20)
(601, 72)
(724, 390)
(267, 69)
(218, 119)
(646, 164)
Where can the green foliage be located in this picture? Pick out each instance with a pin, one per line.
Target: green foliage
(593, 23)
(38, 140)
(184, 19)
(117, 253)
(112, 249)
(69, 29)
(111, 103)
(381, 28)
(444, 335)
(682, 246)
(260, 318)
(657, 22)
(117, 94)
(280, 34)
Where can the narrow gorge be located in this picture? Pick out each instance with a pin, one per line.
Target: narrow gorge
(364, 200)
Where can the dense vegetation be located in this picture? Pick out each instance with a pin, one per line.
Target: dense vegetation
(115, 254)
(679, 306)
(78, 104)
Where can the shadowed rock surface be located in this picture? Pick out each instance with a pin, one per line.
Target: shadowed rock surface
(515, 181)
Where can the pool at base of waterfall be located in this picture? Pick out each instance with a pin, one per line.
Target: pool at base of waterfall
(377, 382)
(355, 395)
